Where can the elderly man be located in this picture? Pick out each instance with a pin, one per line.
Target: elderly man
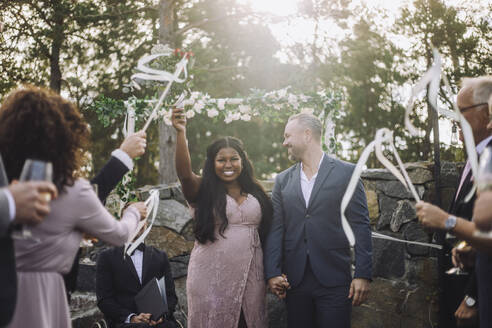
(458, 292)
(306, 245)
(20, 203)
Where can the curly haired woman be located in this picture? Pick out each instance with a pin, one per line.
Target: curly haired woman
(39, 124)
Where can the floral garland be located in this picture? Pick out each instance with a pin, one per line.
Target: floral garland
(270, 106)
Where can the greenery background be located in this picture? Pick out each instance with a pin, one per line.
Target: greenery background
(85, 49)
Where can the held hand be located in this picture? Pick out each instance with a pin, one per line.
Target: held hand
(482, 214)
(155, 323)
(141, 318)
(431, 216)
(359, 290)
(134, 145)
(463, 257)
(32, 200)
(179, 119)
(465, 315)
(279, 285)
(141, 208)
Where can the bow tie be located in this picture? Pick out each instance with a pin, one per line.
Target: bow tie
(140, 247)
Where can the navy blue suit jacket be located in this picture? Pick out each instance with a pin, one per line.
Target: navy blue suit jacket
(316, 230)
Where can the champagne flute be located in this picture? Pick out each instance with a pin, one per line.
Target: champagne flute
(34, 170)
(457, 271)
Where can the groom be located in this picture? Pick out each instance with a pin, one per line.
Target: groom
(306, 245)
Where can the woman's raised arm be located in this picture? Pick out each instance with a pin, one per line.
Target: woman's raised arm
(190, 182)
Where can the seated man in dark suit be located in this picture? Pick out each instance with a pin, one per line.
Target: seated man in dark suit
(119, 279)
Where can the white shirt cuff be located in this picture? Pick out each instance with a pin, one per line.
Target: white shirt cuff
(129, 317)
(124, 158)
(11, 201)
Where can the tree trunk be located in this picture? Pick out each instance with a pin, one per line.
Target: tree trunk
(167, 134)
(58, 38)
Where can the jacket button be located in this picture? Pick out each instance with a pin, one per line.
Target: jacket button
(308, 216)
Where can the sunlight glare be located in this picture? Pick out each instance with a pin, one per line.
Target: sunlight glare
(274, 7)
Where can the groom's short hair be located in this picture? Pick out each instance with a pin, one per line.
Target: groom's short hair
(309, 121)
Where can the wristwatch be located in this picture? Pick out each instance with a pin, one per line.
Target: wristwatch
(450, 223)
(470, 301)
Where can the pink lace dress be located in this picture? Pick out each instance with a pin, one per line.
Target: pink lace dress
(227, 275)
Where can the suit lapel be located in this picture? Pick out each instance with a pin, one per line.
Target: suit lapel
(296, 182)
(324, 171)
(129, 264)
(455, 199)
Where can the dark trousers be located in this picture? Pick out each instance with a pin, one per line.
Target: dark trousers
(311, 305)
(484, 279)
(452, 293)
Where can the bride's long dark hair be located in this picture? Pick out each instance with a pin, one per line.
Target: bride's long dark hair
(211, 200)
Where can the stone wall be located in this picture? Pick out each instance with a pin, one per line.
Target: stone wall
(403, 293)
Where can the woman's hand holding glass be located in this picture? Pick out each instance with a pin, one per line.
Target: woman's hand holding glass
(35, 170)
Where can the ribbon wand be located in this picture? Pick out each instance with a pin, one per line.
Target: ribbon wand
(177, 72)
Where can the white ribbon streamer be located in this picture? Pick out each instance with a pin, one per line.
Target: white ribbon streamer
(129, 125)
(151, 74)
(386, 136)
(470, 147)
(329, 133)
(152, 204)
(433, 78)
(382, 136)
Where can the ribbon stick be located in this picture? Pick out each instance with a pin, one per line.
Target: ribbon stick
(151, 74)
(382, 136)
(152, 204)
(386, 237)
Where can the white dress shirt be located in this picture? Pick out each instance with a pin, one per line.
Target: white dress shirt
(306, 184)
(137, 259)
(123, 157)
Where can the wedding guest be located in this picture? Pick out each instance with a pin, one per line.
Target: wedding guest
(459, 292)
(120, 278)
(36, 123)
(225, 285)
(307, 243)
(20, 203)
